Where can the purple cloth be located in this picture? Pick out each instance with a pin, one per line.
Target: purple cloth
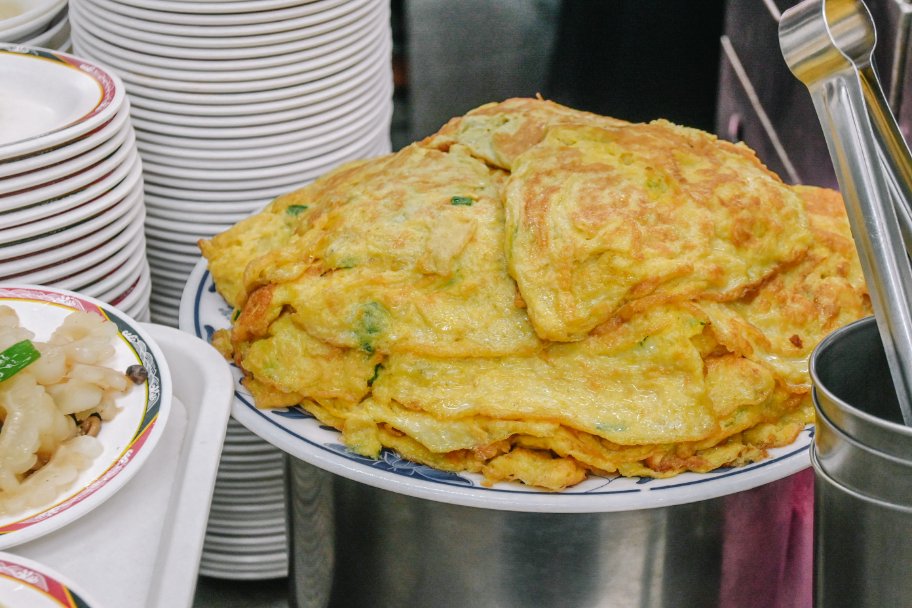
(761, 569)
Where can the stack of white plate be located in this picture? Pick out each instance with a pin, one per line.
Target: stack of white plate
(71, 189)
(236, 102)
(246, 536)
(36, 23)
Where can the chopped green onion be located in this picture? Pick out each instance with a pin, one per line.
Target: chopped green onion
(372, 379)
(462, 200)
(296, 210)
(16, 358)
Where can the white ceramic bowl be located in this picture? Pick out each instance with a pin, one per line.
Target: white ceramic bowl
(257, 114)
(257, 157)
(247, 47)
(244, 83)
(200, 46)
(292, 10)
(317, 135)
(225, 25)
(226, 68)
(213, 6)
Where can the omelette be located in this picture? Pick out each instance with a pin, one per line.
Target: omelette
(536, 294)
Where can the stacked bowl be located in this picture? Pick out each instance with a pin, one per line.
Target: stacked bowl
(71, 190)
(237, 102)
(36, 23)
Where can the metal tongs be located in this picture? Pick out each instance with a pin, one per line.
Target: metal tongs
(828, 45)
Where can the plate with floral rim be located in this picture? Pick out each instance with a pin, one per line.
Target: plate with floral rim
(127, 439)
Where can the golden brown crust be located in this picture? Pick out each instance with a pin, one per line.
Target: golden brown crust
(536, 293)
(602, 217)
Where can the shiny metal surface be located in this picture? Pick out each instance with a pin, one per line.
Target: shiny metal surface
(862, 459)
(311, 524)
(861, 547)
(828, 45)
(393, 551)
(857, 410)
(859, 467)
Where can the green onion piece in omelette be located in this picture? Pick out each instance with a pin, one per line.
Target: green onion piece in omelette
(16, 358)
(462, 200)
(295, 210)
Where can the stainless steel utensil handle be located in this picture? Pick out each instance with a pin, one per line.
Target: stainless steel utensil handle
(894, 154)
(827, 45)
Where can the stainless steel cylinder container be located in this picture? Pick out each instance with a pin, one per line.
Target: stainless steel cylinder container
(311, 522)
(751, 548)
(862, 458)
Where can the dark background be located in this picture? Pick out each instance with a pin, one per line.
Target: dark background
(639, 59)
(632, 59)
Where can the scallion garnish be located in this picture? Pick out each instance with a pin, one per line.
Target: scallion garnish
(16, 358)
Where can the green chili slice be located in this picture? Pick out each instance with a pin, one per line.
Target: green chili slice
(16, 358)
(295, 210)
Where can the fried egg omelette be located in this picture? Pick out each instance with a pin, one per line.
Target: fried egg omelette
(536, 293)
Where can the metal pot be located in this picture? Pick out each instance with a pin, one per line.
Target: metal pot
(862, 457)
(751, 548)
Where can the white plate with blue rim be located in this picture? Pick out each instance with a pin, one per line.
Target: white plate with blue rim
(127, 440)
(298, 433)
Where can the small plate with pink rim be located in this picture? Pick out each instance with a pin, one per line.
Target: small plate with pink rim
(91, 266)
(74, 183)
(127, 440)
(67, 150)
(25, 583)
(76, 96)
(46, 216)
(59, 171)
(70, 241)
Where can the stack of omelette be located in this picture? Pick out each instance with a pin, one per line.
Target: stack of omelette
(536, 293)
